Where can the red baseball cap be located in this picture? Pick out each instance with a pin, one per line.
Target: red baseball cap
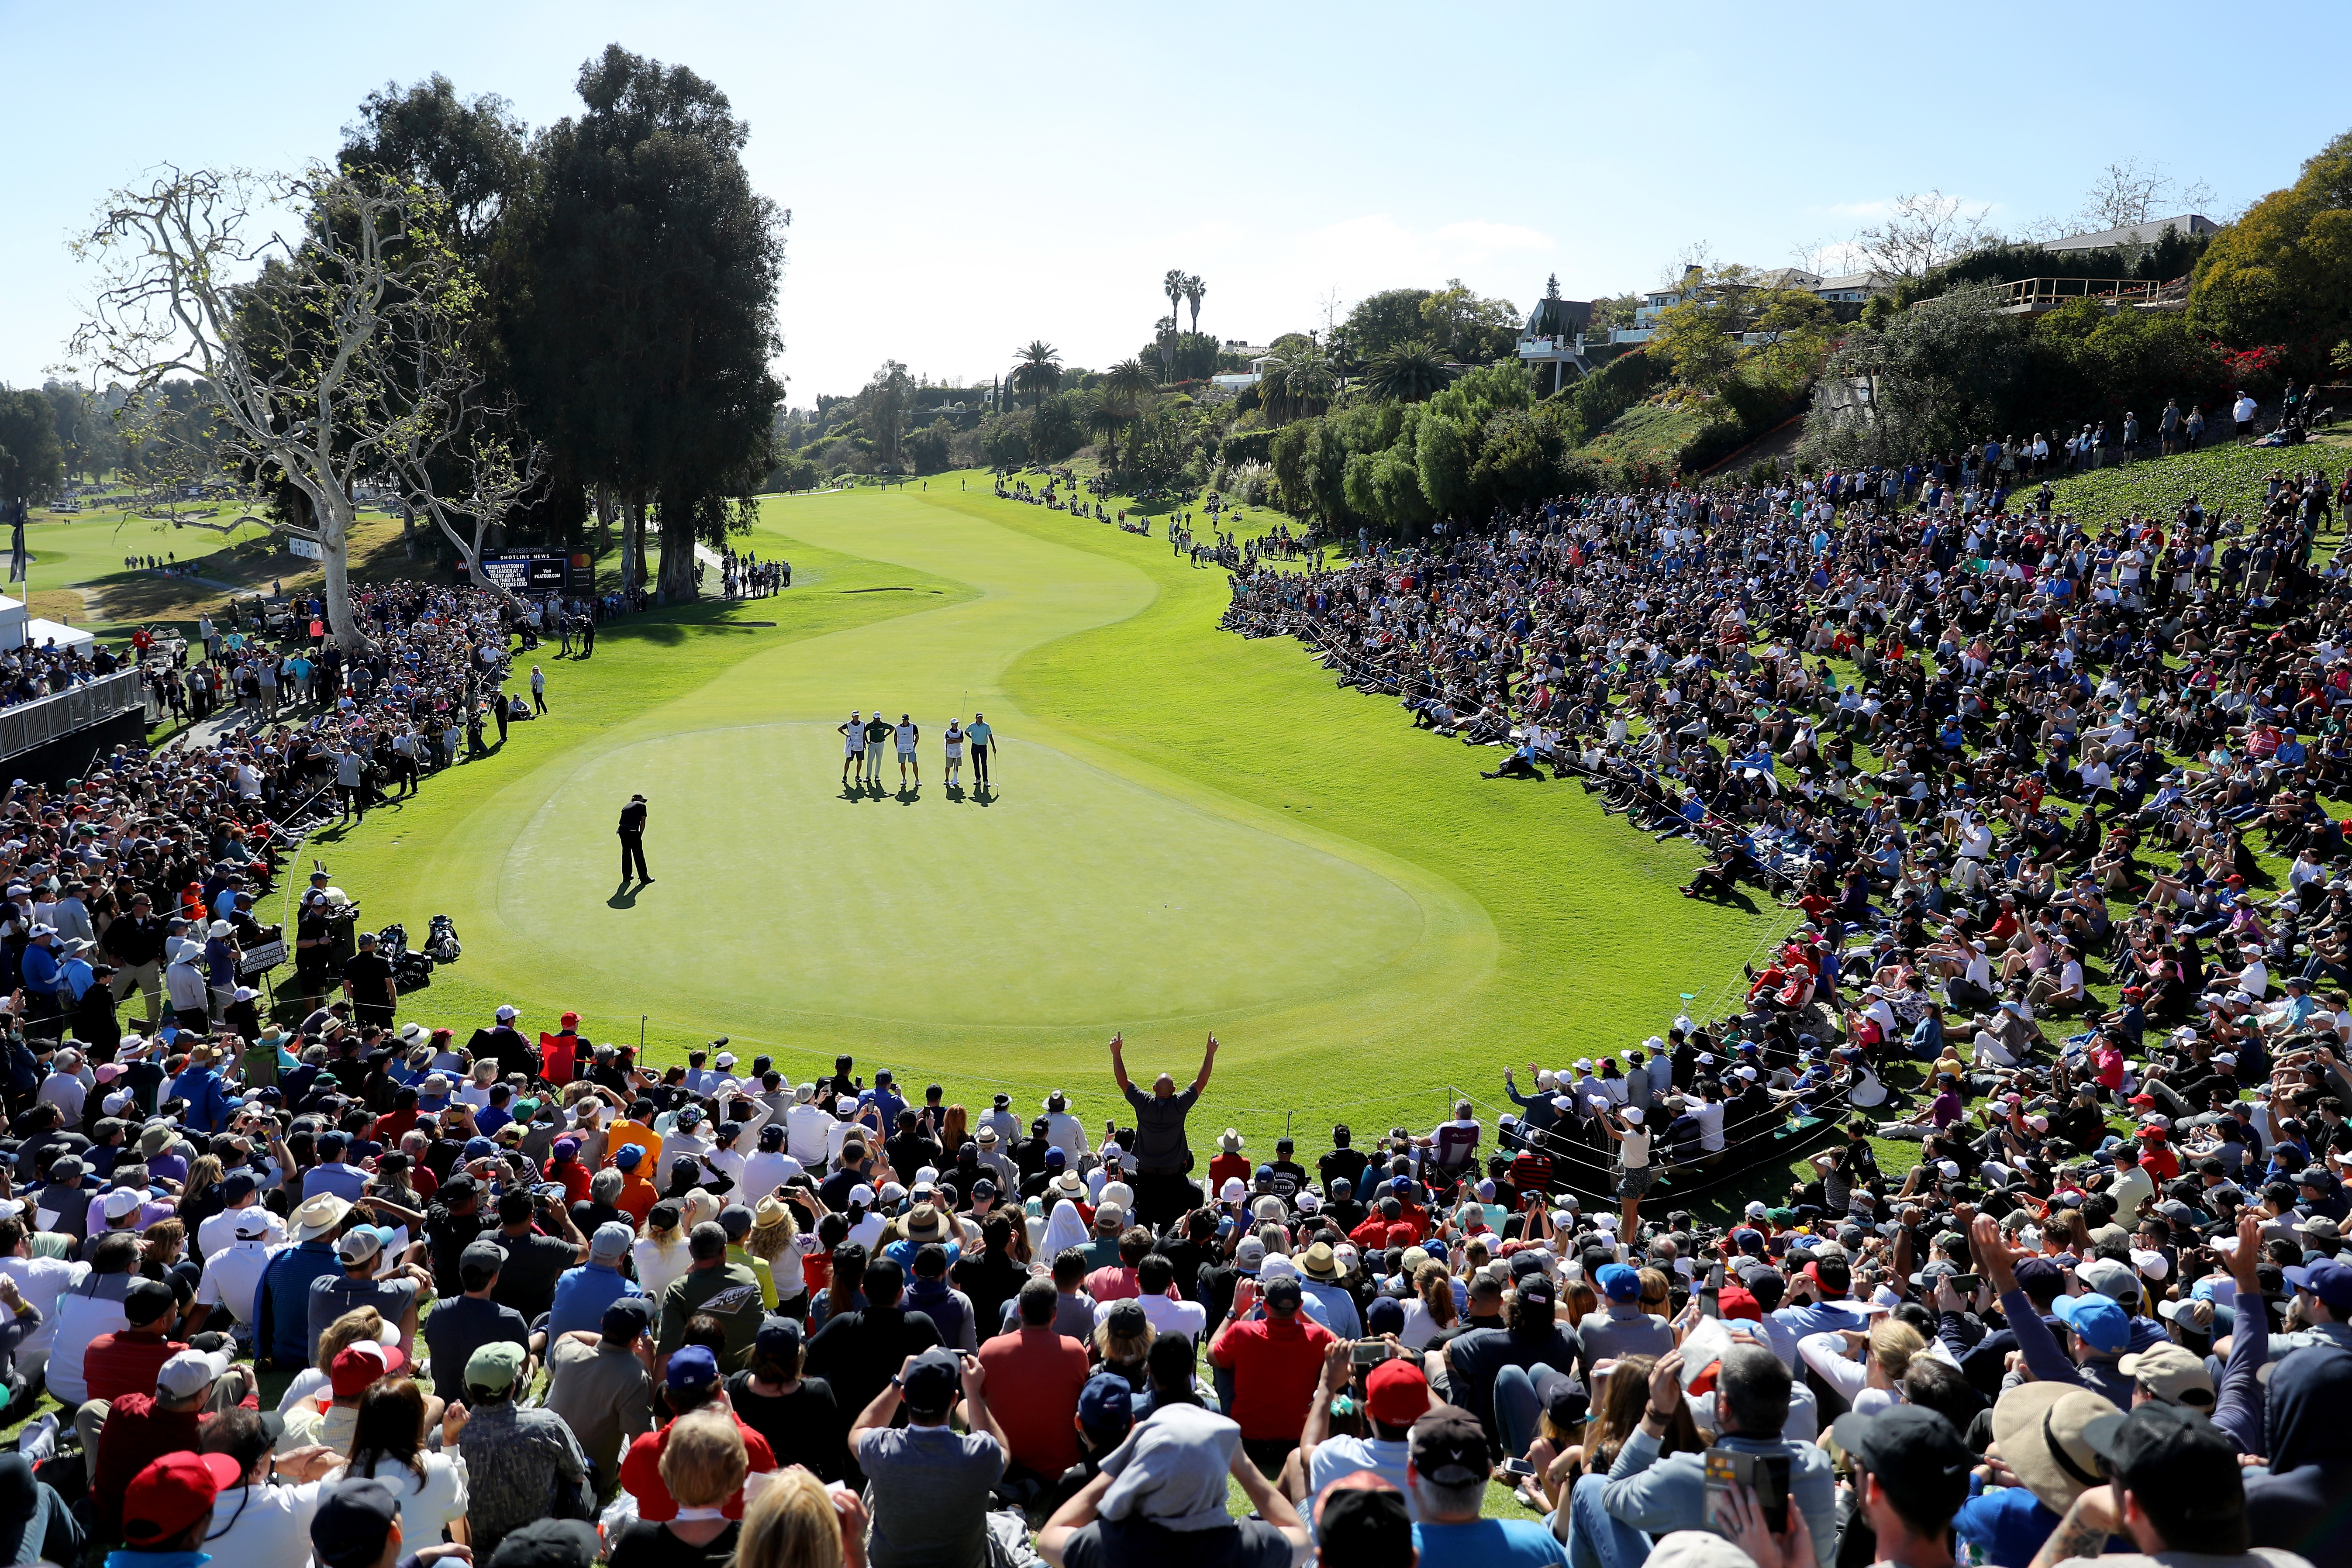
(1396, 1394)
(356, 1367)
(1734, 1302)
(171, 1494)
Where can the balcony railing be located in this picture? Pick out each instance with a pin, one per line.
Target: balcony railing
(45, 719)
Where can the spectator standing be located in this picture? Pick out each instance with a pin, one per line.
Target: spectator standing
(1164, 1159)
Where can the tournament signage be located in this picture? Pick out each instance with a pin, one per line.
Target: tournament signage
(528, 574)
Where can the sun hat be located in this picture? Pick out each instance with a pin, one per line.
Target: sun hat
(314, 1218)
(2039, 1426)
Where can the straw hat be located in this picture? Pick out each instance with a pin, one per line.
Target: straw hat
(318, 1215)
(2039, 1426)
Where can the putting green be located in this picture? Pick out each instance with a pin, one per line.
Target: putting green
(923, 904)
(1190, 832)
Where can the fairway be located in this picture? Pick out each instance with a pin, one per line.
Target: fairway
(1189, 832)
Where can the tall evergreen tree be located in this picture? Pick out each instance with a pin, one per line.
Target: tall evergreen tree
(648, 301)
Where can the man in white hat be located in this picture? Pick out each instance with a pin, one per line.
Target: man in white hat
(282, 1323)
(1064, 1131)
(232, 1277)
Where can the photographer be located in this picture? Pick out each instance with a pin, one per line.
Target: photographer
(1393, 1393)
(1651, 1495)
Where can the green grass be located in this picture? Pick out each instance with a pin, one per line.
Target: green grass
(1192, 833)
(2225, 479)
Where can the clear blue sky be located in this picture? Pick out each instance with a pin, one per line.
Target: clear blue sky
(965, 178)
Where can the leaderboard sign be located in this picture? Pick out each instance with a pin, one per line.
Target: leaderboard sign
(529, 573)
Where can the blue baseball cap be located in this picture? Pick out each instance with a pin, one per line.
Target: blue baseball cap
(1054, 1158)
(1106, 1404)
(480, 1147)
(691, 1366)
(629, 1157)
(1619, 1282)
(2099, 1321)
(2327, 1280)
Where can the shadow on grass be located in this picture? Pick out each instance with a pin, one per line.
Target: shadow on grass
(621, 897)
(669, 626)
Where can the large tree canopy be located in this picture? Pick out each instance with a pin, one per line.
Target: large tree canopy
(646, 313)
(32, 462)
(2283, 273)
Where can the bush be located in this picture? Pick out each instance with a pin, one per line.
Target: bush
(1247, 447)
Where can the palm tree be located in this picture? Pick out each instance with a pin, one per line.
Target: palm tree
(1173, 287)
(1107, 421)
(1039, 372)
(1407, 373)
(1297, 387)
(1126, 384)
(1193, 289)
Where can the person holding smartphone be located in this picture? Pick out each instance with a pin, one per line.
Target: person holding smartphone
(1653, 1495)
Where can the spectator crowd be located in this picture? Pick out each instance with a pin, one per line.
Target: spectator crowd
(357, 1288)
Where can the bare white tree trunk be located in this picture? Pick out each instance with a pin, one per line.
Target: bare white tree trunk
(300, 339)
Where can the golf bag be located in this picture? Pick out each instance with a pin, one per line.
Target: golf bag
(441, 941)
(411, 971)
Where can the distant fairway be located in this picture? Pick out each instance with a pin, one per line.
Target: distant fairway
(1190, 832)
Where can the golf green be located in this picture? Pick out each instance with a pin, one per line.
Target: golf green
(1187, 832)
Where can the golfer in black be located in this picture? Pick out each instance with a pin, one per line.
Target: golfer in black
(633, 838)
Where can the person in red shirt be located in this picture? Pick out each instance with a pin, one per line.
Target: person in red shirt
(163, 1419)
(1373, 1235)
(394, 1124)
(126, 1360)
(1117, 1281)
(1276, 1361)
(2156, 1157)
(692, 1380)
(559, 1053)
(1232, 1165)
(1038, 1374)
(563, 1165)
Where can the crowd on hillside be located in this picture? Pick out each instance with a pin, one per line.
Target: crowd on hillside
(1875, 694)
(310, 728)
(363, 1291)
